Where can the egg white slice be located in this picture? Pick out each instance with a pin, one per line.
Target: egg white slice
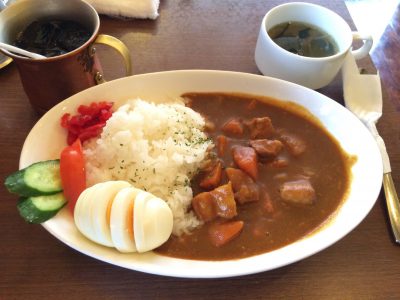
(121, 220)
(153, 221)
(101, 203)
(83, 212)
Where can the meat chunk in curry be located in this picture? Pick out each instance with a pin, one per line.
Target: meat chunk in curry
(266, 148)
(295, 145)
(246, 190)
(260, 128)
(298, 192)
(216, 203)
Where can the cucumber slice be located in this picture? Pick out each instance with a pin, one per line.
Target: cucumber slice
(40, 209)
(42, 178)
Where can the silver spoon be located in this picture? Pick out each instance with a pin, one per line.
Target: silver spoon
(21, 51)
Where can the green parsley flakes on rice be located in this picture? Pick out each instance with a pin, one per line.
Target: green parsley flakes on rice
(155, 147)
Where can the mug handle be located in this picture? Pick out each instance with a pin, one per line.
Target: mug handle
(121, 49)
(365, 48)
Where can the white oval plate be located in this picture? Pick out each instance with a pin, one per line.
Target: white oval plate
(47, 138)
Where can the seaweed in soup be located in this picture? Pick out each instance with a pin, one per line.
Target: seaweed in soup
(303, 39)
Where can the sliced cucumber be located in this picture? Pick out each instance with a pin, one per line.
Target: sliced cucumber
(42, 178)
(41, 208)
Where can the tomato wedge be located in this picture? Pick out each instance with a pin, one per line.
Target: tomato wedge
(73, 175)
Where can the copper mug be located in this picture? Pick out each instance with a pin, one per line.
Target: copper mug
(50, 80)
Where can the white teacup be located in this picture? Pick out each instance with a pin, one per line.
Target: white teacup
(312, 72)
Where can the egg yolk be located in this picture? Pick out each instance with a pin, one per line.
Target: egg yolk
(108, 211)
(130, 221)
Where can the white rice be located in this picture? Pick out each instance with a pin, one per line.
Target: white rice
(156, 147)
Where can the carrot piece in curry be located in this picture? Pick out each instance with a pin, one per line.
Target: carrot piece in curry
(222, 233)
(267, 205)
(246, 159)
(222, 143)
(233, 127)
(213, 178)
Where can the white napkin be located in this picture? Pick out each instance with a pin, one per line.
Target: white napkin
(143, 9)
(364, 90)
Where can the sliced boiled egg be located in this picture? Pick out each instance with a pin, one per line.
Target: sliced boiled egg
(153, 221)
(102, 200)
(121, 220)
(83, 212)
(116, 214)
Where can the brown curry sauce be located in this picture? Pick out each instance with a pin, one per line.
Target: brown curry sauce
(323, 163)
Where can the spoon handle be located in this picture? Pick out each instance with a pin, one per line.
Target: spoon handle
(20, 51)
(393, 205)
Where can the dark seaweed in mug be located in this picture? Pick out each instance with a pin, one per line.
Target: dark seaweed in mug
(52, 37)
(303, 39)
